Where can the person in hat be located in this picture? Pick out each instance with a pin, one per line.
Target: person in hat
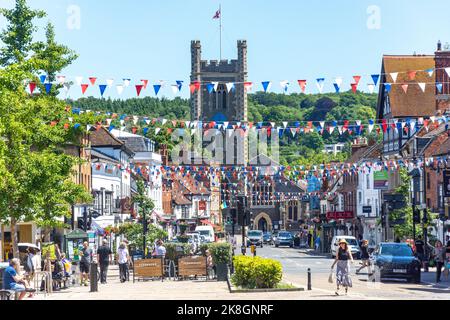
(365, 257)
(342, 271)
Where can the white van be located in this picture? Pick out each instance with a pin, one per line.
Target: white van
(207, 232)
(352, 245)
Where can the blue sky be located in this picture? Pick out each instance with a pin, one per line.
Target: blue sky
(287, 40)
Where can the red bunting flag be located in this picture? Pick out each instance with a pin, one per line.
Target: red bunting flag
(66, 126)
(145, 82)
(139, 89)
(384, 125)
(134, 130)
(84, 88)
(92, 80)
(412, 75)
(32, 86)
(248, 85)
(357, 79)
(354, 87)
(197, 85)
(405, 88)
(192, 88)
(302, 84)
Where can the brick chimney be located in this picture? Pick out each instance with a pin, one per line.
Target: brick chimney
(439, 46)
(164, 154)
(359, 143)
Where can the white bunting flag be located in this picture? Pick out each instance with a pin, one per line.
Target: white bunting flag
(371, 88)
(79, 80)
(174, 88)
(422, 86)
(371, 127)
(293, 131)
(108, 121)
(284, 85)
(164, 121)
(225, 124)
(70, 119)
(61, 79)
(216, 85)
(394, 76)
(420, 120)
(230, 86)
(285, 123)
(320, 83)
(193, 131)
(448, 71)
(157, 130)
(135, 120)
(122, 122)
(147, 121)
(272, 124)
(119, 89)
(126, 82)
(322, 124)
(405, 88)
(109, 82)
(188, 124)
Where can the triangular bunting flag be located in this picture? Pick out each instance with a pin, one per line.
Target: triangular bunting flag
(439, 87)
(387, 87)
(354, 87)
(157, 87)
(210, 87)
(302, 84)
(284, 85)
(230, 86)
(412, 75)
(92, 80)
(102, 89)
(266, 85)
(84, 88)
(119, 88)
(79, 80)
(371, 88)
(394, 76)
(32, 87)
(109, 82)
(145, 83)
(405, 88)
(43, 78)
(126, 82)
(179, 84)
(375, 78)
(357, 79)
(138, 89)
(48, 87)
(422, 86)
(320, 83)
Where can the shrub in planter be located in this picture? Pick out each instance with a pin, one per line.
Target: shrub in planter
(183, 227)
(256, 272)
(183, 238)
(203, 247)
(221, 254)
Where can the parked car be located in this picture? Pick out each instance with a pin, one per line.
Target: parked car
(396, 260)
(352, 245)
(207, 232)
(284, 238)
(267, 237)
(255, 237)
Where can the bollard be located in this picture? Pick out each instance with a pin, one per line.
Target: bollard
(93, 276)
(309, 279)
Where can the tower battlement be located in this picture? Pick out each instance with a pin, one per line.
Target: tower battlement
(219, 105)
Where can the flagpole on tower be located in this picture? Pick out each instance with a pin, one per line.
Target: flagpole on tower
(220, 13)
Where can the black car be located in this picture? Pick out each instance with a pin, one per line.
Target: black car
(396, 260)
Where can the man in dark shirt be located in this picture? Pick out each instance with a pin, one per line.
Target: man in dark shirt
(420, 249)
(103, 254)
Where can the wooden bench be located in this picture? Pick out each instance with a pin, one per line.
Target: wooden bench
(192, 266)
(148, 268)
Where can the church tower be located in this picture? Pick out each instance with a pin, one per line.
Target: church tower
(224, 103)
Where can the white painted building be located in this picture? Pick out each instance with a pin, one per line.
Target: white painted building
(334, 148)
(145, 162)
(368, 206)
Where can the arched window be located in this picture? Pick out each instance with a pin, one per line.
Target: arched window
(290, 213)
(295, 213)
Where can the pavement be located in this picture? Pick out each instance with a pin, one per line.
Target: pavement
(295, 264)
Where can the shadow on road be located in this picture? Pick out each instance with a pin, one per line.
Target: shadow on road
(429, 290)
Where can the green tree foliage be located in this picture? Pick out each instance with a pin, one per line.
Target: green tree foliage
(52, 57)
(35, 170)
(18, 35)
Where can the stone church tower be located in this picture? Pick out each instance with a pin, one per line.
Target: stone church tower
(219, 105)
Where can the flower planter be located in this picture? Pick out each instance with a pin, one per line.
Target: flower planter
(222, 271)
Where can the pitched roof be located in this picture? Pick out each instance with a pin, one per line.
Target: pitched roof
(367, 153)
(414, 103)
(103, 138)
(98, 155)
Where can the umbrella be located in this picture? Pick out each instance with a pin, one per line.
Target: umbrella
(23, 246)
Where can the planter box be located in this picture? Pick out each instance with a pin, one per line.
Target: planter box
(222, 272)
(233, 289)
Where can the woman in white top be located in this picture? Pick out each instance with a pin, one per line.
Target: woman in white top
(123, 258)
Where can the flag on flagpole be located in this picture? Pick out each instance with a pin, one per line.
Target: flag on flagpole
(217, 15)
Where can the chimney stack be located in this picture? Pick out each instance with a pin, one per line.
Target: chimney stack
(439, 46)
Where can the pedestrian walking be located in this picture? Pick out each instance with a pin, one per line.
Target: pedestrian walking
(103, 256)
(439, 258)
(365, 258)
(317, 243)
(123, 257)
(210, 265)
(342, 270)
(160, 250)
(85, 263)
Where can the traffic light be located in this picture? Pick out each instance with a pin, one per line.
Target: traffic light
(383, 216)
(416, 215)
